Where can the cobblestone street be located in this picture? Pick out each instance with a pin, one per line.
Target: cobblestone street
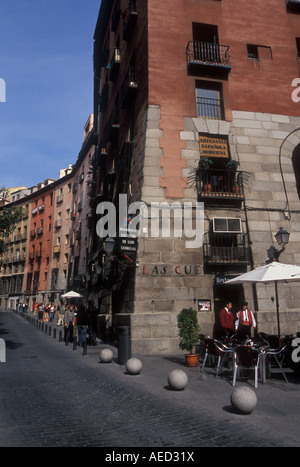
(52, 395)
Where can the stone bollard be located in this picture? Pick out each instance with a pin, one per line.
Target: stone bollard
(243, 400)
(106, 355)
(134, 366)
(177, 380)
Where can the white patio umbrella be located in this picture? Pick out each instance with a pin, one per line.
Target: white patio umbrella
(72, 294)
(272, 272)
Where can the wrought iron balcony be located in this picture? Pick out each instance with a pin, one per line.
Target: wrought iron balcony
(129, 87)
(220, 184)
(113, 125)
(114, 65)
(226, 249)
(293, 5)
(208, 57)
(129, 17)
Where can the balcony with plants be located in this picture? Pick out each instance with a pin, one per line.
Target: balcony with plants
(217, 184)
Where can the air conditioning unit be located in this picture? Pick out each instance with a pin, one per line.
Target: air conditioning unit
(227, 225)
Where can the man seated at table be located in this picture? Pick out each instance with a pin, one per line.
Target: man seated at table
(226, 321)
(245, 321)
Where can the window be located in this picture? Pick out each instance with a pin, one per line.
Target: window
(259, 52)
(227, 225)
(205, 33)
(209, 100)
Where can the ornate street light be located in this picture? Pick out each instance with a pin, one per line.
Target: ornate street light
(282, 238)
(109, 245)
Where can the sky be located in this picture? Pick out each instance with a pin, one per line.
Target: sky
(46, 66)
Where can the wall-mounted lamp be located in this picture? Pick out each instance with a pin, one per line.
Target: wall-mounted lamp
(282, 238)
(109, 245)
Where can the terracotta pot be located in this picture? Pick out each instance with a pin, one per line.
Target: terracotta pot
(207, 188)
(192, 359)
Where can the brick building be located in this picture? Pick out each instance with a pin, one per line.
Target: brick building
(47, 253)
(176, 83)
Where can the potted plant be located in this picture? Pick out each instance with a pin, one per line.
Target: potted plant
(232, 166)
(189, 329)
(205, 163)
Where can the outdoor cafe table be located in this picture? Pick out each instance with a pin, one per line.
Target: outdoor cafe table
(260, 347)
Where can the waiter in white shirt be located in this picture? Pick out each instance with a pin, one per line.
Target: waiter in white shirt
(245, 321)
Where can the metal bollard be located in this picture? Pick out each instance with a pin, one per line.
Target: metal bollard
(50, 330)
(124, 347)
(54, 333)
(60, 336)
(74, 343)
(84, 348)
(67, 336)
(46, 328)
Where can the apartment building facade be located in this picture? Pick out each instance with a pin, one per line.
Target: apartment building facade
(46, 255)
(193, 103)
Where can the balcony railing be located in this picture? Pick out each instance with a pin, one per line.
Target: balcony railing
(114, 65)
(227, 249)
(207, 54)
(219, 184)
(129, 87)
(129, 17)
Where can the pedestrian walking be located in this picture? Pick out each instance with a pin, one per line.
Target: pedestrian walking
(92, 323)
(60, 314)
(51, 312)
(69, 322)
(40, 311)
(82, 324)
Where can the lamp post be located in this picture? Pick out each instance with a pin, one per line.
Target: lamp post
(282, 238)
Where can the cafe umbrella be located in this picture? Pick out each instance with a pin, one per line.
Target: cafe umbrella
(272, 272)
(72, 294)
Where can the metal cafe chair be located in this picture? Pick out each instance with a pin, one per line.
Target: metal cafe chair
(248, 358)
(275, 356)
(208, 344)
(225, 354)
(215, 348)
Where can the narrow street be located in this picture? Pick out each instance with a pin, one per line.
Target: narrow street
(52, 396)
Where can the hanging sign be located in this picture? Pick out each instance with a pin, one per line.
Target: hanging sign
(213, 146)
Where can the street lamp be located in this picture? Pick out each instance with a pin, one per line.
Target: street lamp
(282, 238)
(109, 245)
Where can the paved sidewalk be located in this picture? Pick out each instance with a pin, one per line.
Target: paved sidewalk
(276, 416)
